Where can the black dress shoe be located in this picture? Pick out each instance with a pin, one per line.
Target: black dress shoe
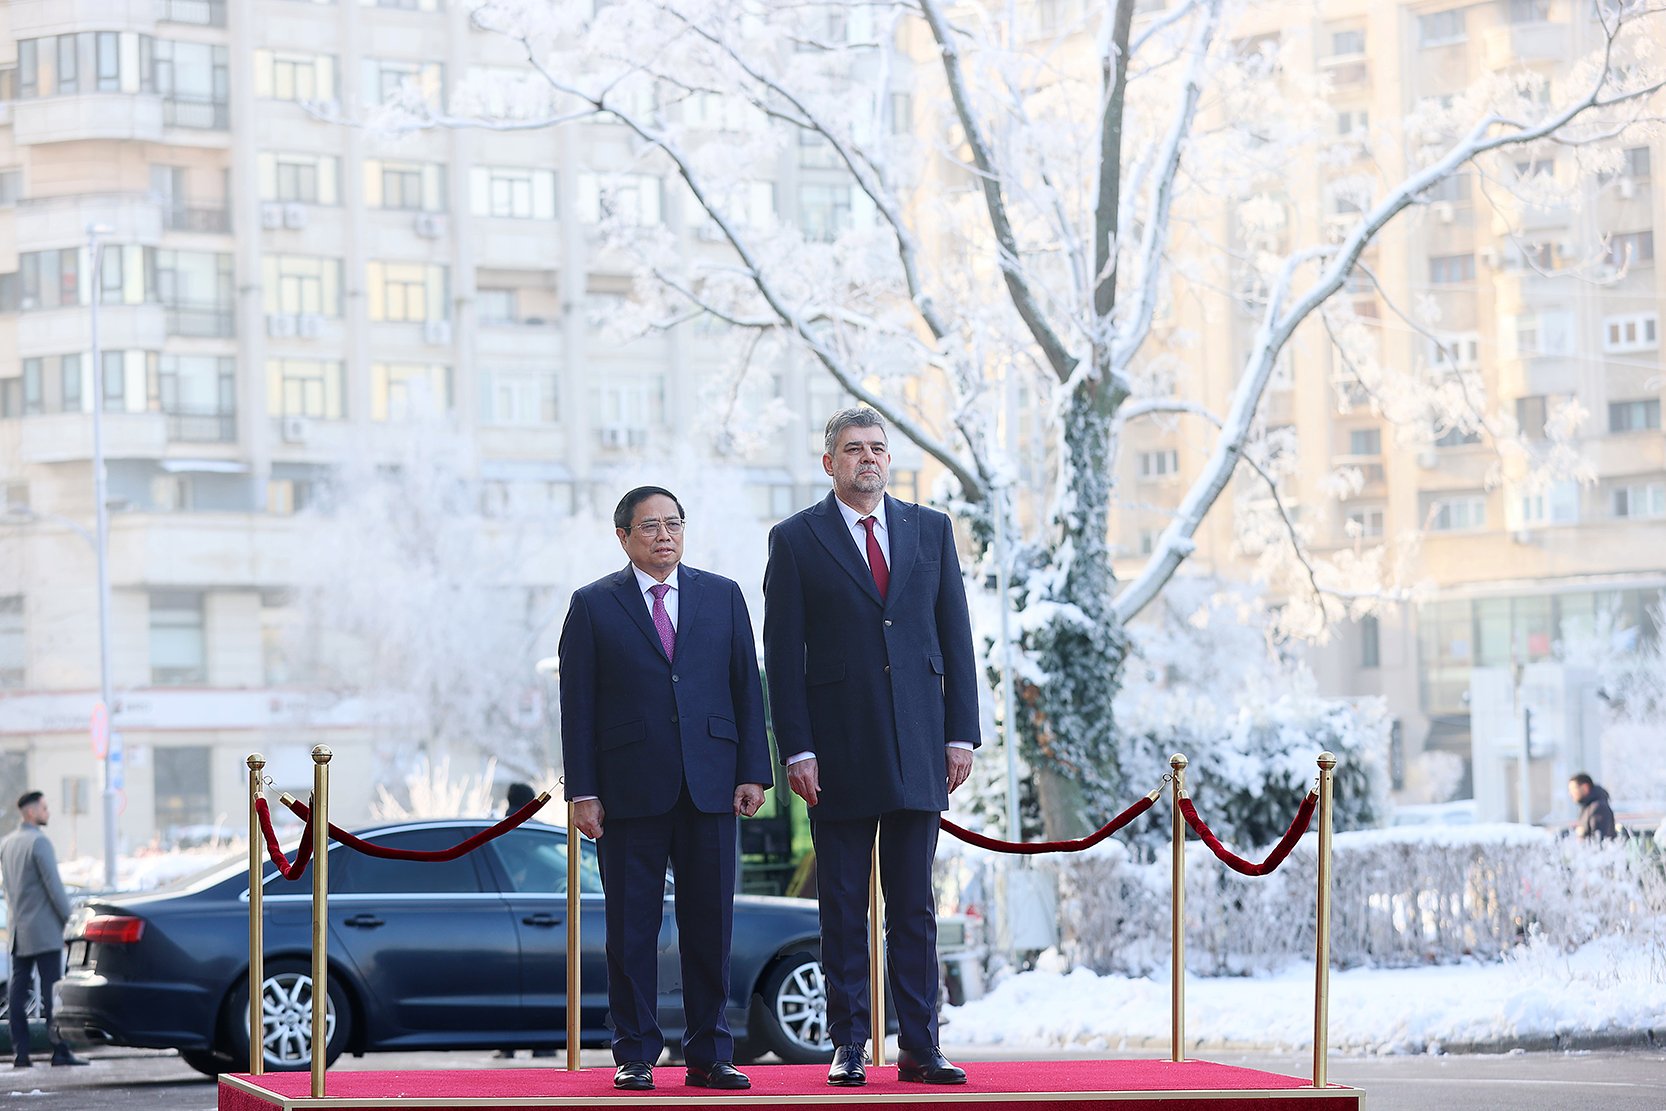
(847, 1070)
(929, 1067)
(22, 1062)
(65, 1057)
(634, 1076)
(722, 1075)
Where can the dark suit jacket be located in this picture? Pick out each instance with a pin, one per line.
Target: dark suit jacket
(874, 688)
(634, 725)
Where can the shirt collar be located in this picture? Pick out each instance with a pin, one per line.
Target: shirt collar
(646, 582)
(852, 517)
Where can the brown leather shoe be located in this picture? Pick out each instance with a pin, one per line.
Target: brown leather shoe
(847, 1070)
(928, 1067)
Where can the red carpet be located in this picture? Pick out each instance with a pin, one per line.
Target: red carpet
(1110, 1085)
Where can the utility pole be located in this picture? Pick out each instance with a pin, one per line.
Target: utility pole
(101, 547)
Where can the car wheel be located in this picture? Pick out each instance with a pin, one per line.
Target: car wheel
(789, 1013)
(208, 1062)
(286, 1017)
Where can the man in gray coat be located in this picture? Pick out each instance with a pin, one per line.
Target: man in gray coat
(38, 907)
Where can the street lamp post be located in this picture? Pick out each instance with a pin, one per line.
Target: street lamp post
(101, 509)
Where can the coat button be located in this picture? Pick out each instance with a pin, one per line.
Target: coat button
(676, 678)
(673, 719)
(887, 623)
(887, 669)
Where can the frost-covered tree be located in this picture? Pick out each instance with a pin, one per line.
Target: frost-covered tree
(1024, 207)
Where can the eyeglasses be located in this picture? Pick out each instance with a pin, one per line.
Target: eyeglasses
(653, 526)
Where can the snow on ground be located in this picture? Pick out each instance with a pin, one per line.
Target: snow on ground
(1607, 986)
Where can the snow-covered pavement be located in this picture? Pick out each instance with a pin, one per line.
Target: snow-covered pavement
(1604, 988)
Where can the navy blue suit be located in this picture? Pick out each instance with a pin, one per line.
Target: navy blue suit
(875, 688)
(663, 743)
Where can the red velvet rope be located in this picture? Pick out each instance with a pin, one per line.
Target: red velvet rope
(1031, 848)
(1232, 860)
(290, 870)
(427, 856)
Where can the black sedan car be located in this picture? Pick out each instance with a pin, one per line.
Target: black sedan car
(466, 954)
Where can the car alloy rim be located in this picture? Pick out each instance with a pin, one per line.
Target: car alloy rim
(286, 1018)
(801, 1006)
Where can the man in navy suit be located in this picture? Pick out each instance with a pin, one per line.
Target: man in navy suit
(662, 732)
(872, 692)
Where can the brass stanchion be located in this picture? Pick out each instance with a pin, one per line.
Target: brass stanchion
(1177, 987)
(1321, 945)
(257, 920)
(876, 955)
(320, 921)
(575, 1001)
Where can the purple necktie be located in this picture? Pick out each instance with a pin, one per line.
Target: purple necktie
(662, 620)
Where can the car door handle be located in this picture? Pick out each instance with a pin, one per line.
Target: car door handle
(363, 921)
(542, 920)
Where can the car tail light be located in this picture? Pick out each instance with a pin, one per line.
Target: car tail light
(113, 929)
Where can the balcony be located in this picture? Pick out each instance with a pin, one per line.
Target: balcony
(1519, 44)
(1346, 71)
(45, 223)
(201, 321)
(84, 116)
(68, 437)
(34, 18)
(190, 426)
(200, 13)
(197, 113)
(205, 219)
(54, 331)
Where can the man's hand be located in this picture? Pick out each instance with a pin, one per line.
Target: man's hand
(587, 816)
(748, 798)
(959, 761)
(805, 779)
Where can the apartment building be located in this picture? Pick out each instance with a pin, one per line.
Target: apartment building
(279, 292)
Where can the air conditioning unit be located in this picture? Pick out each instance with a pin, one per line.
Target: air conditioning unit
(271, 216)
(280, 325)
(1444, 212)
(308, 325)
(430, 225)
(1628, 188)
(436, 331)
(294, 216)
(295, 430)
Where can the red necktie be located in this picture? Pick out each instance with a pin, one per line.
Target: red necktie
(876, 559)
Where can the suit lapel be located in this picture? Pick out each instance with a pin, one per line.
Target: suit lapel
(636, 607)
(902, 521)
(691, 591)
(828, 525)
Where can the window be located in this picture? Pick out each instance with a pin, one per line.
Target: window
(519, 397)
(1365, 522)
(1638, 331)
(1638, 164)
(384, 79)
(49, 279)
(406, 186)
(294, 284)
(1529, 11)
(1632, 248)
(184, 792)
(1556, 504)
(1347, 43)
(199, 394)
(1441, 28)
(1455, 351)
(631, 199)
(1365, 441)
(536, 863)
(1352, 121)
(1453, 189)
(306, 388)
(177, 649)
(410, 292)
(357, 874)
(824, 211)
(400, 391)
(1634, 416)
(627, 407)
(195, 83)
(1370, 642)
(1548, 332)
(14, 649)
(11, 187)
(1531, 414)
(512, 193)
(1638, 500)
(497, 306)
(1457, 436)
(1451, 269)
(1455, 512)
(69, 79)
(302, 178)
(1155, 464)
(28, 69)
(287, 75)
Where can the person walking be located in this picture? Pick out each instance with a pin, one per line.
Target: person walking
(1596, 816)
(38, 907)
(873, 698)
(662, 733)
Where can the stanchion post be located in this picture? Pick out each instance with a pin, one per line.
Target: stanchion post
(1321, 945)
(1177, 987)
(257, 919)
(575, 954)
(320, 920)
(876, 956)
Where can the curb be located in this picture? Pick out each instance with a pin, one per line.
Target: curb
(1535, 1043)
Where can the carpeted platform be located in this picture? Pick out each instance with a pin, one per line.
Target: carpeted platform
(1111, 1085)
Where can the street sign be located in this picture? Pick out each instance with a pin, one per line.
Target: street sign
(99, 727)
(118, 763)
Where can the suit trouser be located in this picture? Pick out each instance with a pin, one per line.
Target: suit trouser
(633, 853)
(49, 966)
(907, 846)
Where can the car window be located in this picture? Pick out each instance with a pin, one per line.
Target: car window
(353, 873)
(536, 863)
